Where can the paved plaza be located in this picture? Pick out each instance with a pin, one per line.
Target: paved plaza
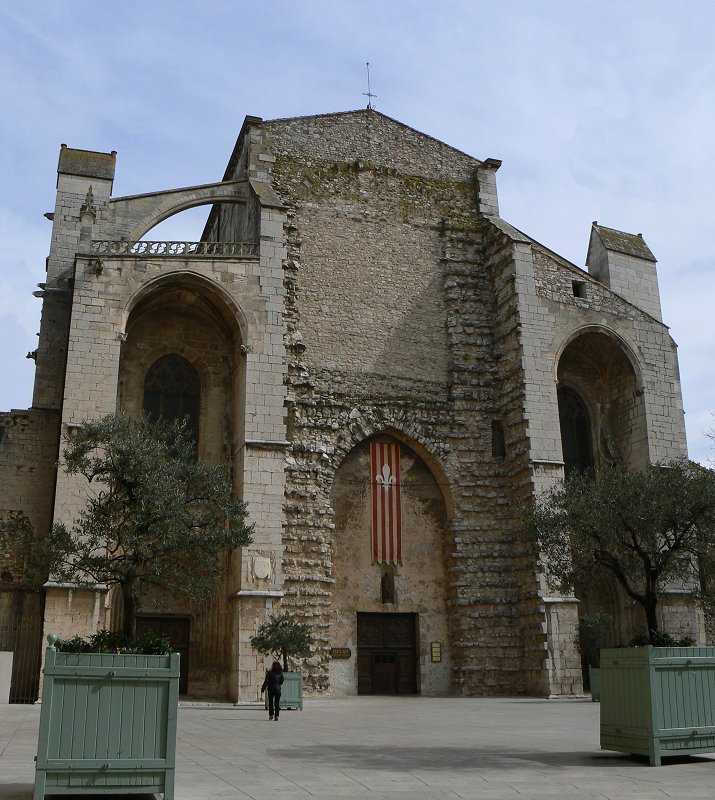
(398, 748)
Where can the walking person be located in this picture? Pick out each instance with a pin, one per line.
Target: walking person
(272, 684)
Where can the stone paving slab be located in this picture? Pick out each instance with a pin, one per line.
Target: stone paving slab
(392, 749)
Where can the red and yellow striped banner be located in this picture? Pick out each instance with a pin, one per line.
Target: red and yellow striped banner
(386, 510)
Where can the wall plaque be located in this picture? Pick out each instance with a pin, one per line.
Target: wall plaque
(340, 652)
(261, 567)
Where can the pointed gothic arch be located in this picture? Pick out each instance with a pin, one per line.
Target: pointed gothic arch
(613, 339)
(225, 308)
(604, 397)
(361, 429)
(184, 313)
(389, 598)
(181, 356)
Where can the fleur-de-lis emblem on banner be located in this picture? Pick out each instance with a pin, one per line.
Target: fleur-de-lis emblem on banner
(386, 480)
(385, 491)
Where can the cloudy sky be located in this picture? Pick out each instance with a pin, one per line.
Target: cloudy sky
(599, 110)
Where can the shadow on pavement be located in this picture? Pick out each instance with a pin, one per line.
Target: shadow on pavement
(16, 791)
(445, 758)
(455, 758)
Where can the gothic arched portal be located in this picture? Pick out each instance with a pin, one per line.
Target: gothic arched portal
(602, 421)
(389, 604)
(181, 359)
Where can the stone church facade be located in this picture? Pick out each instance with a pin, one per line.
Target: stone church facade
(355, 292)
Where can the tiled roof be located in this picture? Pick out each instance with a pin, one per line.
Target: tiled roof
(631, 244)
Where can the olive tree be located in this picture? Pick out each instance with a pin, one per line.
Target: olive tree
(155, 515)
(282, 637)
(646, 527)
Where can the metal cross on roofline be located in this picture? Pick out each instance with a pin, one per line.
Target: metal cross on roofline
(368, 93)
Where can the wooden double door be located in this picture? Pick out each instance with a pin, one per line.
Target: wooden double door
(178, 630)
(387, 653)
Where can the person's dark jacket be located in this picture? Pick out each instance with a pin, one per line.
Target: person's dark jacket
(273, 682)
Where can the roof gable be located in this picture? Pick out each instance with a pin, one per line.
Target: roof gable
(368, 139)
(367, 113)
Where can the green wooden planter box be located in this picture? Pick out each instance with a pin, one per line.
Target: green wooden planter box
(291, 691)
(658, 701)
(107, 724)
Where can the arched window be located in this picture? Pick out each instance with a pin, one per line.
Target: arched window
(171, 392)
(575, 432)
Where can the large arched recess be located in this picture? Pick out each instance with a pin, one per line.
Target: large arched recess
(410, 593)
(599, 370)
(184, 315)
(232, 314)
(599, 367)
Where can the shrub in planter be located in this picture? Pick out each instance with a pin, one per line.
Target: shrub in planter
(660, 639)
(283, 637)
(105, 641)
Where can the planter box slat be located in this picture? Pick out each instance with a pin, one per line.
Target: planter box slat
(695, 731)
(102, 672)
(141, 709)
(107, 723)
(657, 700)
(79, 782)
(71, 765)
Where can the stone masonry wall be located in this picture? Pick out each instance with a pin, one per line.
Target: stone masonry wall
(370, 247)
(28, 453)
(543, 644)
(103, 292)
(650, 406)
(498, 641)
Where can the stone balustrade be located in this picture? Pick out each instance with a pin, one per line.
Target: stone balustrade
(193, 249)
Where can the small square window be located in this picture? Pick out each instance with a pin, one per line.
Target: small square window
(579, 289)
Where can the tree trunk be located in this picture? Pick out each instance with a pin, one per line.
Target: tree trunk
(651, 618)
(707, 595)
(129, 609)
